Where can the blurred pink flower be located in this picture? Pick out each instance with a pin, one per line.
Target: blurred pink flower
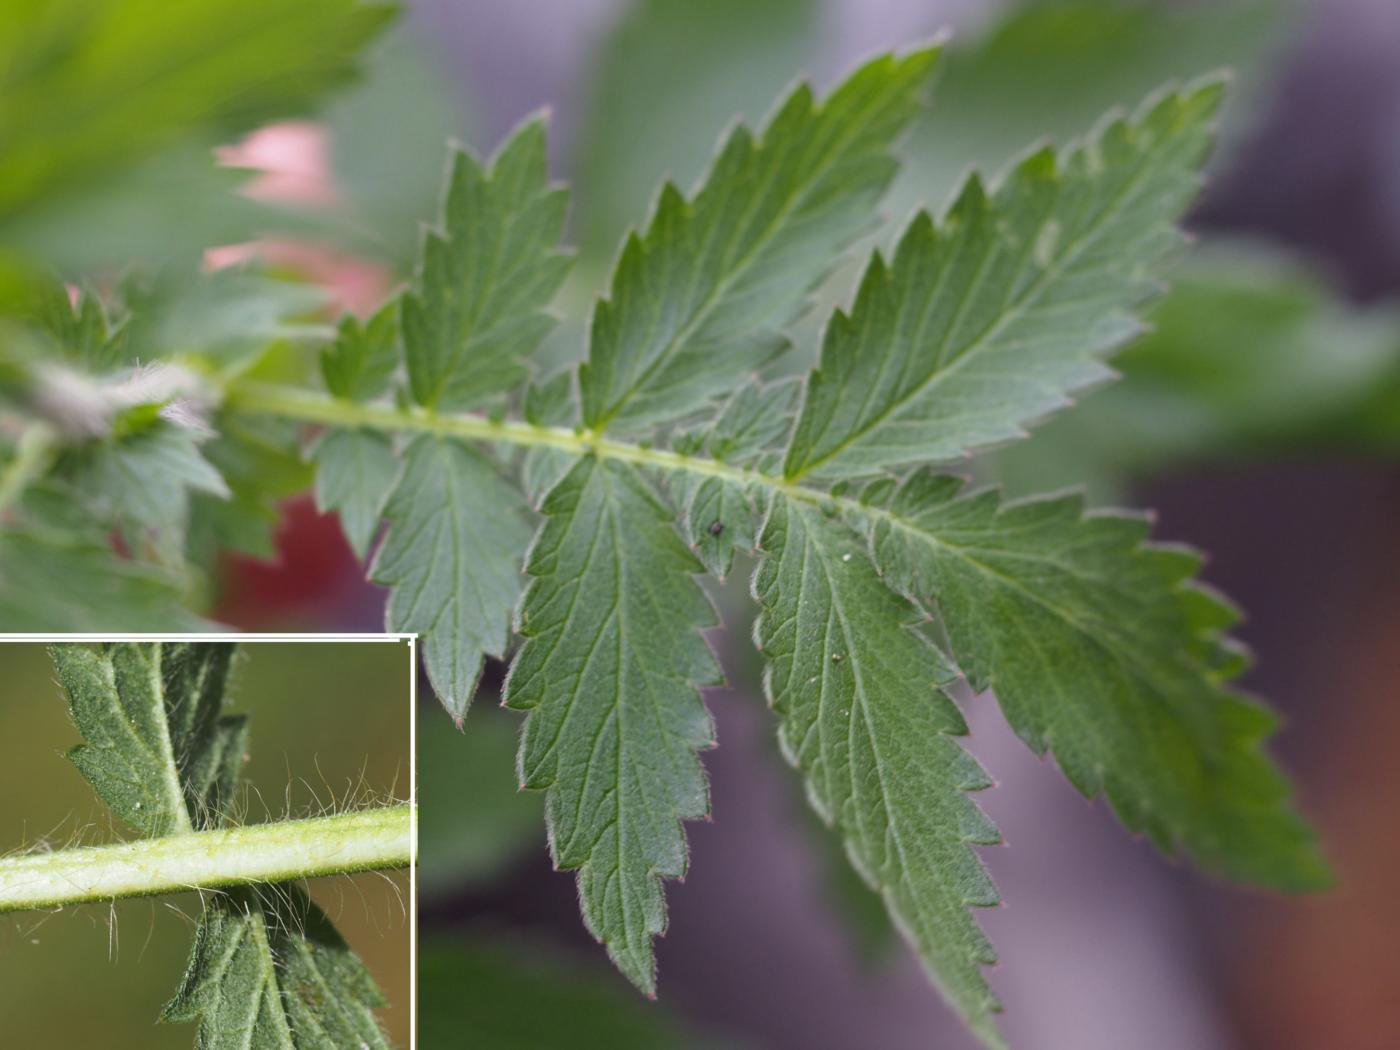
(293, 159)
(293, 164)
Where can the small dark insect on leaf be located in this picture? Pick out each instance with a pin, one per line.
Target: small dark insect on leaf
(716, 527)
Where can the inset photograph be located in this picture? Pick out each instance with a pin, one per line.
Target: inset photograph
(206, 843)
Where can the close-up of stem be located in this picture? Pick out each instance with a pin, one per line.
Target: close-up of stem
(365, 840)
(168, 748)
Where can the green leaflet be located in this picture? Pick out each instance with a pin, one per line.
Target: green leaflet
(360, 363)
(142, 483)
(548, 403)
(477, 307)
(355, 471)
(156, 749)
(700, 296)
(989, 321)
(858, 694)
(1250, 356)
(609, 673)
(268, 971)
(719, 520)
(1101, 648)
(453, 552)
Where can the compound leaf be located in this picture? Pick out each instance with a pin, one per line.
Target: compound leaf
(699, 297)
(858, 693)
(609, 673)
(477, 308)
(1101, 647)
(988, 321)
(456, 541)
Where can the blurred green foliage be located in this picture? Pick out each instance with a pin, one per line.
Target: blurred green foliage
(1249, 357)
(473, 822)
(94, 87)
(491, 993)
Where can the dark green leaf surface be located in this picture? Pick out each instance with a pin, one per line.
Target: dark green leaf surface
(1101, 648)
(609, 672)
(701, 295)
(987, 321)
(756, 420)
(477, 309)
(547, 404)
(452, 555)
(720, 519)
(355, 471)
(261, 462)
(269, 972)
(858, 693)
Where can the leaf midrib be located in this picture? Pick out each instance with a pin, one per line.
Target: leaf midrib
(940, 373)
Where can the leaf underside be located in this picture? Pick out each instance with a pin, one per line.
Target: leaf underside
(609, 673)
(477, 308)
(858, 692)
(1101, 647)
(268, 971)
(452, 556)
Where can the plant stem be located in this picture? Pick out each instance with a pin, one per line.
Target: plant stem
(365, 840)
(292, 403)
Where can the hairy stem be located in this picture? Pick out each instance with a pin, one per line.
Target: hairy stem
(365, 840)
(292, 403)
